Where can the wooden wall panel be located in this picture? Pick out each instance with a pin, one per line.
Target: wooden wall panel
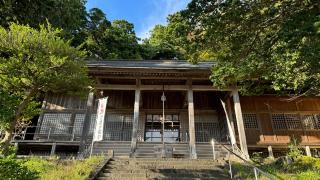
(313, 136)
(309, 104)
(281, 105)
(252, 136)
(174, 100)
(266, 127)
(261, 103)
(120, 99)
(248, 104)
(264, 106)
(282, 137)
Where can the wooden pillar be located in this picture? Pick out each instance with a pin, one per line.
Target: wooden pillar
(53, 149)
(240, 124)
(135, 117)
(192, 135)
(270, 152)
(308, 151)
(86, 126)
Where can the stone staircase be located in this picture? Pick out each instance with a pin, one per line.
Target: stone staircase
(149, 150)
(204, 151)
(119, 148)
(171, 168)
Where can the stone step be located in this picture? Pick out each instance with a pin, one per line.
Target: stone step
(168, 168)
(187, 167)
(163, 173)
(194, 162)
(123, 175)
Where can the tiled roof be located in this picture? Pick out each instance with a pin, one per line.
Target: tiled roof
(149, 64)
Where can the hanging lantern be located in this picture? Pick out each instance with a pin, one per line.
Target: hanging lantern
(163, 97)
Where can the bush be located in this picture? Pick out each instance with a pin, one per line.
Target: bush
(14, 170)
(52, 169)
(303, 167)
(294, 150)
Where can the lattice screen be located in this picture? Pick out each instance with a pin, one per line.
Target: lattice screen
(250, 121)
(78, 124)
(58, 122)
(92, 124)
(311, 121)
(118, 127)
(286, 121)
(207, 130)
(317, 120)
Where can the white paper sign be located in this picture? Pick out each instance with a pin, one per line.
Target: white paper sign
(101, 111)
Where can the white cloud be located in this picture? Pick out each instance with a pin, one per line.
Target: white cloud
(160, 10)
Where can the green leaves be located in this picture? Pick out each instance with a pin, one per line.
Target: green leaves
(170, 41)
(36, 61)
(269, 45)
(106, 40)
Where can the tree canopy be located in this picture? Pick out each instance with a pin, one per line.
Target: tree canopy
(68, 15)
(31, 62)
(258, 45)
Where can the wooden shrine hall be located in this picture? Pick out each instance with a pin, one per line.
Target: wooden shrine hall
(168, 103)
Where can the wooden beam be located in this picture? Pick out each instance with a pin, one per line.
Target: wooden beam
(204, 77)
(192, 135)
(159, 87)
(240, 124)
(135, 117)
(115, 87)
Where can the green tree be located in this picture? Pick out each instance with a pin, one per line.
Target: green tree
(33, 62)
(70, 15)
(268, 44)
(168, 41)
(116, 40)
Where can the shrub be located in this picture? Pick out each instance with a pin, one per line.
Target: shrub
(257, 157)
(39, 165)
(294, 150)
(14, 170)
(52, 169)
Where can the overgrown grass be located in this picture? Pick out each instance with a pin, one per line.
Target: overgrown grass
(302, 168)
(47, 169)
(52, 169)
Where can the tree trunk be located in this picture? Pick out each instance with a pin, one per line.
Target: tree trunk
(5, 142)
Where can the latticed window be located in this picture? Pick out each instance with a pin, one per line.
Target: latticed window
(205, 131)
(92, 123)
(250, 121)
(118, 127)
(311, 121)
(78, 124)
(286, 121)
(56, 123)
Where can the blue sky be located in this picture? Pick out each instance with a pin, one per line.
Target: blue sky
(144, 14)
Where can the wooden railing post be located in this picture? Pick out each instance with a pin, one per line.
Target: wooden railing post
(135, 118)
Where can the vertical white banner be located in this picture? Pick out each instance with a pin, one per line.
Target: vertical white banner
(101, 111)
